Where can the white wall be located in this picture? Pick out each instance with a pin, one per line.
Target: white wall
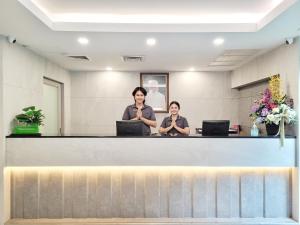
(283, 60)
(23, 72)
(98, 99)
(204, 95)
(2, 136)
(296, 174)
(21, 80)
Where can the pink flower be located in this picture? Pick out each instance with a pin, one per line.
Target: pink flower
(272, 105)
(254, 108)
(266, 96)
(264, 112)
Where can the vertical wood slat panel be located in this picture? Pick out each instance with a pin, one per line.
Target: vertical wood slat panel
(227, 195)
(176, 195)
(44, 189)
(277, 193)
(104, 194)
(55, 194)
(140, 194)
(150, 193)
(116, 193)
(12, 195)
(152, 199)
(204, 194)
(92, 194)
(211, 194)
(199, 195)
(80, 194)
(68, 193)
(128, 194)
(164, 194)
(30, 194)
(18, 197)
(252, 195)
(187, 194)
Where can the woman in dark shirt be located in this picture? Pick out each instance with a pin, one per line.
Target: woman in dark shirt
(174, 125)
(140, 111)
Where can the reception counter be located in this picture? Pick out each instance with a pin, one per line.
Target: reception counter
(150, 151)
(101, 180)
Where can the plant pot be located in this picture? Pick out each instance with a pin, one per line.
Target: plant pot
(26, 129)
(272, 128)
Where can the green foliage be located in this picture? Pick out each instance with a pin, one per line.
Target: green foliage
(30, 116)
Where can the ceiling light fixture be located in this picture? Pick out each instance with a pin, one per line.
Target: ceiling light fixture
(151, 41)
(83, 40)
(218, 41)
(276, 2)
(108, 68)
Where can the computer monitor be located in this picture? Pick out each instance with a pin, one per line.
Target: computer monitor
(215, 128)
(129, 128)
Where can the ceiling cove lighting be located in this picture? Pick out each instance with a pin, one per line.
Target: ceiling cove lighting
(143, 168)
(218, 41)
(83, 40)
(243, 17)
(151, 41)
(192, 69)
(275, 3)
(108, 68)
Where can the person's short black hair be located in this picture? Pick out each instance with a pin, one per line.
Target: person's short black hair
(176, 103)
(141, 89)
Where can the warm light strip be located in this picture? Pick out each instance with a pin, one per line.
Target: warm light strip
(243, 17)
(140, 168)
(157, 19)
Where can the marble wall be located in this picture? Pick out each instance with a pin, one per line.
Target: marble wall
(23, 72)
(283, 60)
(3, 210)
(21, 85)
(157, 192)
(98, 99)
(248, 95)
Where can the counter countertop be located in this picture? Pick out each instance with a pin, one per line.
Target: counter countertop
(151, 151)
(153, 136)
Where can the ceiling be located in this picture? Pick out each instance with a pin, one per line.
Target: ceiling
(157, 15)
(184, 31)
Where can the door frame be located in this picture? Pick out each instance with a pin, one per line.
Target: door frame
(60, 86)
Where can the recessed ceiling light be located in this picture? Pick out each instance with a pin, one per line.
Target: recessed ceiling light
(151, 41)
(108, 68)
(218, 41)
(192, 69)
(276, 2)
(83, 40)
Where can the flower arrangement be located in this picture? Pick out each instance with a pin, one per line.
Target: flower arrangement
(282, 112)
(274, 107)
(262, 107)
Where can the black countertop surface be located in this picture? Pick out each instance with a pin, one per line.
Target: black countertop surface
(152, 136)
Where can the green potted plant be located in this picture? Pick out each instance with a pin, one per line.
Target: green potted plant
(29, 121)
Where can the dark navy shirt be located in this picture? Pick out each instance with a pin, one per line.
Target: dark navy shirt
(180, 122)
(147, 111)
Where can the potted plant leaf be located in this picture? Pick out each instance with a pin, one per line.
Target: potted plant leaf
(29, 121)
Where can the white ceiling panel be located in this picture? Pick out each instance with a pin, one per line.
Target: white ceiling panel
(174, 51)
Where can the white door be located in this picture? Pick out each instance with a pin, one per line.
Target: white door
(52, 98)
